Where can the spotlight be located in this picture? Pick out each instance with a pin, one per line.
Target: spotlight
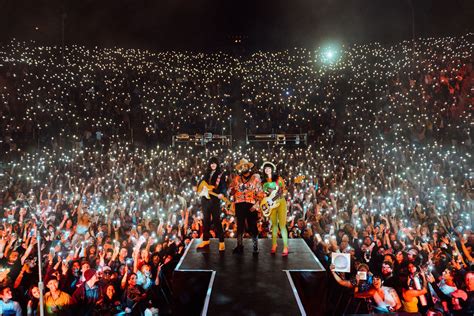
(330, 54)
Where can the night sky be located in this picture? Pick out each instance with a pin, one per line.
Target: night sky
(211, 24)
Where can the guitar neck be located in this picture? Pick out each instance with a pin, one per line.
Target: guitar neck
(217, 195)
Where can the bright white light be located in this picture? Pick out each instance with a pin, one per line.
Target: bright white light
(330, 54)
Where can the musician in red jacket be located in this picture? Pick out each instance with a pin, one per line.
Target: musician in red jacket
(211, 207)
(246, 189)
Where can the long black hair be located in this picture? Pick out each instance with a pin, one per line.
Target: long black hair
(275, 174)
(209, 170)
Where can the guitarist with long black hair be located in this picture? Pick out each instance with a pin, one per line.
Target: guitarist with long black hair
(275, 189)
(214, 181)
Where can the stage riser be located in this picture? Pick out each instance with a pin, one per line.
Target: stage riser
(249, 284)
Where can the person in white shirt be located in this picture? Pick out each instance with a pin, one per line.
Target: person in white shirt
(384, 299)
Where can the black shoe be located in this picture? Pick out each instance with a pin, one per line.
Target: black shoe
(255, 246)
(238, 250)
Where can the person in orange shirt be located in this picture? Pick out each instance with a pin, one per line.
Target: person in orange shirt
(56, 302)
(246, 190)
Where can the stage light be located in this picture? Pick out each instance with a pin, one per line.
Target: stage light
(330, 54)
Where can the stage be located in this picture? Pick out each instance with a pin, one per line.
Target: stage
(207, 282)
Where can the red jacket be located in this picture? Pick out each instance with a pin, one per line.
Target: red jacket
(246, 191)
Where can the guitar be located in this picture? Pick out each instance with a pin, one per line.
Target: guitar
(205, 190)
(269, 202)
(299, 179)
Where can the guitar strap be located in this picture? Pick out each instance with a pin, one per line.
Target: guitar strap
(218, 180)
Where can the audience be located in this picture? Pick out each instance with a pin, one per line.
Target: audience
(387, 176)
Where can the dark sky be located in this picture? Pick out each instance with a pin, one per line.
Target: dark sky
(208, 24)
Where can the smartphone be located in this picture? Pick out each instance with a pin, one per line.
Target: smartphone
(362, 275)
(318, 237)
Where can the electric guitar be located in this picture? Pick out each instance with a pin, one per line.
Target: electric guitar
(205, 190)
(299, 179)
(270, 202)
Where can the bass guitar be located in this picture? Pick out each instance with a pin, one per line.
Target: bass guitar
(270, 202)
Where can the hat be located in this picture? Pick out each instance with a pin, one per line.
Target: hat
(413, 252)
(88, 274)
(268, 163)
(242, 163)
(106, 268)
(213, 160)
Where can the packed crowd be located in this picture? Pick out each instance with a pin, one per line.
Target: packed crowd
(100, 93)
(388, 179)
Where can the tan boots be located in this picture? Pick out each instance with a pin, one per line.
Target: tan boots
(206, 243)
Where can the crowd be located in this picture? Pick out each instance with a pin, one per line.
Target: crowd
(142, 95)
(388, 177)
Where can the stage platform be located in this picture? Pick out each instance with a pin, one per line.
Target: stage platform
(248, 284)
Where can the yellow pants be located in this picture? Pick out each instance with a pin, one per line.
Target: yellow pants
(278, 219)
